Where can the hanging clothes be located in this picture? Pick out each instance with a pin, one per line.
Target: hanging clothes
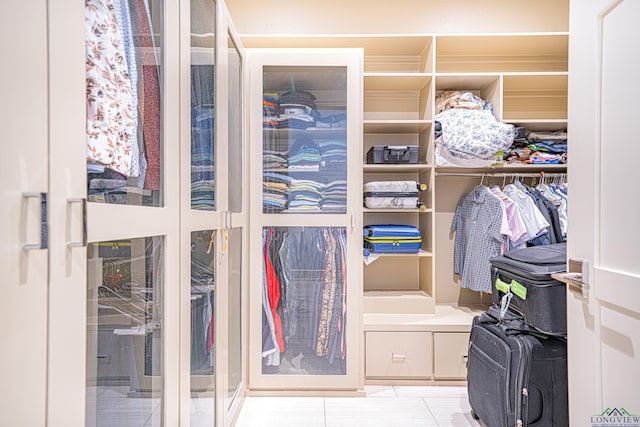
(273, 290)
(110, 112)
(555, 194)
(270, 348)
(488, 222)
(516, 230)
(549, 211)
(123, 17)
(478, 224)
(304, 301)
(535, 223)
(202, 137)
(150, 105)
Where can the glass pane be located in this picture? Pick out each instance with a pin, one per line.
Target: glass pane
(124, 332)
(235, 129)
(202, 328)
(203, 26)
(304, 140)
(124, 108)
(235, 311)
(304, 301)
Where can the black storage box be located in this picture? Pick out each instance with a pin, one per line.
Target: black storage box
(526, 274)
(393, 154)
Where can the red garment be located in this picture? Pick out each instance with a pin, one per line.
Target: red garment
(150, 104)
(273, 290)
(210, 335)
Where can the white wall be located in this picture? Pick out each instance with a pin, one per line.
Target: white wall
(397, 16)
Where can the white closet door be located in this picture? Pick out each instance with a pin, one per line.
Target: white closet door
(23, 185)
(604, 320)
(133, 226)
(67, 189)
(236, 206)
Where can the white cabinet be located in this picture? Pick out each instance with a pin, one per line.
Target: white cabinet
(305, 116)
(125, 306)
(43, 309)
(25, 192)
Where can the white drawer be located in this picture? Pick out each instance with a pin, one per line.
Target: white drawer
(398, 354)
(450, 355)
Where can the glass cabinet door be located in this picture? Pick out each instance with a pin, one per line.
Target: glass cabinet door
(125, 323)
(236, 149)
(307, 133)
(124, 108)
(131, 169)
(304, 307)
(236, 205)
(203, 94)
(203, 331)
(304, 139)
(234, 314)
(205, 252)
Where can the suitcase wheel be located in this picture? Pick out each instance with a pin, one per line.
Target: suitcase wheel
(474, 415)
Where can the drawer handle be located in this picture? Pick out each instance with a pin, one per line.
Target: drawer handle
(465, 359)
(398, 358)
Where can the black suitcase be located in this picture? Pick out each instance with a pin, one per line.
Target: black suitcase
(515, 378)
(524, 275)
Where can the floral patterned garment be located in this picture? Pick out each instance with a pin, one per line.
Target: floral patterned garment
(110, 118)
(473, 134)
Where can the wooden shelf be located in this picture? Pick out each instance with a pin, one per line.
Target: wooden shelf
(396, 81)
(396, 126)
(395, 168)
(398, 302)
(391, 210)
(465, 81)
(507, 168)
(502, 52)
(539, 124)
(317, 132)
(419, 254)
(373, 44)
(446, 318)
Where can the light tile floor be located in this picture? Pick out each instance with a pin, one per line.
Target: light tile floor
(383, 406)
(110, 406)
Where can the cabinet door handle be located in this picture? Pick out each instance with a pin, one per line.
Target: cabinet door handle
(83, 203)
(44, 224)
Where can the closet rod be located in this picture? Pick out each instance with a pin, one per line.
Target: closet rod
(502, 174)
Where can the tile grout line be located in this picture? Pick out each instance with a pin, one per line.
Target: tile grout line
(324, 410)
(430, 411)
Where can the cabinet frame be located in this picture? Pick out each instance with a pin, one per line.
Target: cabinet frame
(351, 220)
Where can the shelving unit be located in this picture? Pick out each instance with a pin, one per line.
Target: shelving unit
(416, 318)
